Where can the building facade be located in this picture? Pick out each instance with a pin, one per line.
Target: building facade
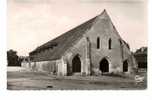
(92, 48)
(141, 57)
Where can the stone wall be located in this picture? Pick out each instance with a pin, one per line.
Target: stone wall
(79, 48)
(115, 56)
(42, 66)
(90, 56)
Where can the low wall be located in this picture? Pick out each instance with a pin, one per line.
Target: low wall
(14, 69)
(42, 66)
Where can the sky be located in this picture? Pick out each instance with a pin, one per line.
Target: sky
(31, 23)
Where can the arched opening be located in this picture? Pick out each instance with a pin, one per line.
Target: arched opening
(125, 66)
(76, 64)
(104, 65)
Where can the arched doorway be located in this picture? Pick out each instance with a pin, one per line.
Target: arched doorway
(125, 66)
(104, 65)
(76, 64)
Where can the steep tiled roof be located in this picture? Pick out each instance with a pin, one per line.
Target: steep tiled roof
(60, 44)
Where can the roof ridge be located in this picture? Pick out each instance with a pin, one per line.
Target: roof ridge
(63, 42)
(90, 22)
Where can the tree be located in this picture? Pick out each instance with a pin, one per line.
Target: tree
(142, 50)
(12, 58)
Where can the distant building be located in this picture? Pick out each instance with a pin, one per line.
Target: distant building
(93, 47)
(141, 57)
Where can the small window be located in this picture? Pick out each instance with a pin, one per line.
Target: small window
(110, 43)
(120, 42)
(125, 66)
(98, 42)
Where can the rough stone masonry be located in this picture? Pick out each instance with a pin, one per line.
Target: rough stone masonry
(92, 48)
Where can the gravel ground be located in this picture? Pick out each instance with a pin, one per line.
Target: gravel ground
(42, 81)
